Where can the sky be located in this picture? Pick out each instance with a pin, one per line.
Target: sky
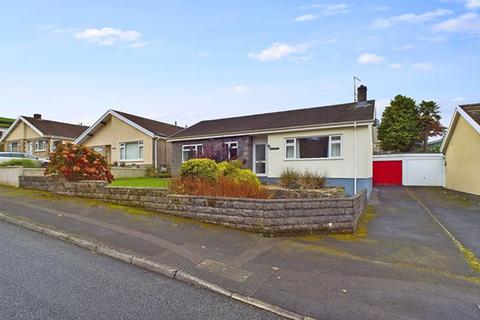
(188, 61)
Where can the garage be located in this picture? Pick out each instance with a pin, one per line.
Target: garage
(409, 169)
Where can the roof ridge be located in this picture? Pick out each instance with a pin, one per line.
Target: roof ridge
(67, 123)
(134, 115)
(286, 111)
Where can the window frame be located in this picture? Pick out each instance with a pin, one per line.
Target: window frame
(37, 145)
(184, 146)
(329, 151)
(140, 145)
(10, 146)
(229, 147)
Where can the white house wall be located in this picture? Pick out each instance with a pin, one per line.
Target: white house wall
(333, 168)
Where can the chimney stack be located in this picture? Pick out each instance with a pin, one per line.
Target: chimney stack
(37, 116)
(362, 93)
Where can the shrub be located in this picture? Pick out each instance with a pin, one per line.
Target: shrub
(223, 187)
(312, 180)
(76, 163)
(233, 169)
(289, 178)
(26, 163)
(293, 179)
(152, 172)
(204, 169)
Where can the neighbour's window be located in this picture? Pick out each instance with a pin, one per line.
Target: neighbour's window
(131, 150)
(313, 147)
(232, 150)
(191, 151)
(13, 146)
(40, 145)
(56, 144)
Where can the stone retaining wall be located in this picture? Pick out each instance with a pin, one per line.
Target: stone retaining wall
(266, 216)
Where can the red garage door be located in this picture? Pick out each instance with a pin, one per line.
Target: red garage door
(387, 173)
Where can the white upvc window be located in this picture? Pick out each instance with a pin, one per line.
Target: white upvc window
(191, 151)
(131, 151)
(290, 149)
(313, 147)
(40, 145)
(13, 146)
(335, 147)
(232, 150)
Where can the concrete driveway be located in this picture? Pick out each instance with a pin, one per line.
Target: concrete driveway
(409, 259)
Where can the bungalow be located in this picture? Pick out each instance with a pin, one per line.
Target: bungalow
(461, 147)
(335, 140)
(127, 139)
(39, 136)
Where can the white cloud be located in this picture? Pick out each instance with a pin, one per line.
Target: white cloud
(379, 8)
(240, 88)
(110, 36)
(329, 10)
(404, 47)
(468, 22)
(395, 66)
(366, 58)
(335, 9)
(306, 17)
(424, 66)
(278, 51)
(473, 4)
(383, 23)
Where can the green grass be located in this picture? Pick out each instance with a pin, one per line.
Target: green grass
(141, 182)
(26, 163)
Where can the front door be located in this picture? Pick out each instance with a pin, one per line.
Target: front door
(260, 159)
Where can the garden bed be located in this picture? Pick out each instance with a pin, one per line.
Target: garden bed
(266, 216)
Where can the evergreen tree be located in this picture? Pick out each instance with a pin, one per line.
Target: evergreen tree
(400, 127)
(429, 117)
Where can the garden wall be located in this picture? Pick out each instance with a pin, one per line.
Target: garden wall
(266, 216)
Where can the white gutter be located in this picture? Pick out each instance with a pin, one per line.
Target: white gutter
(355, 160)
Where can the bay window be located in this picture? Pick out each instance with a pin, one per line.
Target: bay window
(131, 151)
(315, 147)
(191, 151)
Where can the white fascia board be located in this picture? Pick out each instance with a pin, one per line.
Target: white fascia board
(469, 119)
(111, 112)
(260, 132)
(14, 124)
(458, 112)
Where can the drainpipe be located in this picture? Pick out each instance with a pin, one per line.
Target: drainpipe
(355, 160)
(155, 156)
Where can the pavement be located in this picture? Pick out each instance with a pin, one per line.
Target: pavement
(404, 262)
(43, 278)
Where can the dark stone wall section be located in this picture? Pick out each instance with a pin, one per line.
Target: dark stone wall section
(267, 216)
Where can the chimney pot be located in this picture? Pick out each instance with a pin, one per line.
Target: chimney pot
(362, 93)
(37, 116)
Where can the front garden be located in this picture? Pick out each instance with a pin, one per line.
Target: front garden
(222, 193)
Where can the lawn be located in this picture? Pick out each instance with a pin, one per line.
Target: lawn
(141, 182)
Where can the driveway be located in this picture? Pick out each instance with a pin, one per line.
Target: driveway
(401, 264)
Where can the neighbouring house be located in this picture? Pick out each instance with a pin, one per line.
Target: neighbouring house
(461, 147)
(335, 140)
(39, 136)
(126, 139)
(5, 123)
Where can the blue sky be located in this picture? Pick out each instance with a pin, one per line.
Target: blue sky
(191, 60)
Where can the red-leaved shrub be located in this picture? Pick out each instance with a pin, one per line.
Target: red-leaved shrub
(77, 163)
(222, 187)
